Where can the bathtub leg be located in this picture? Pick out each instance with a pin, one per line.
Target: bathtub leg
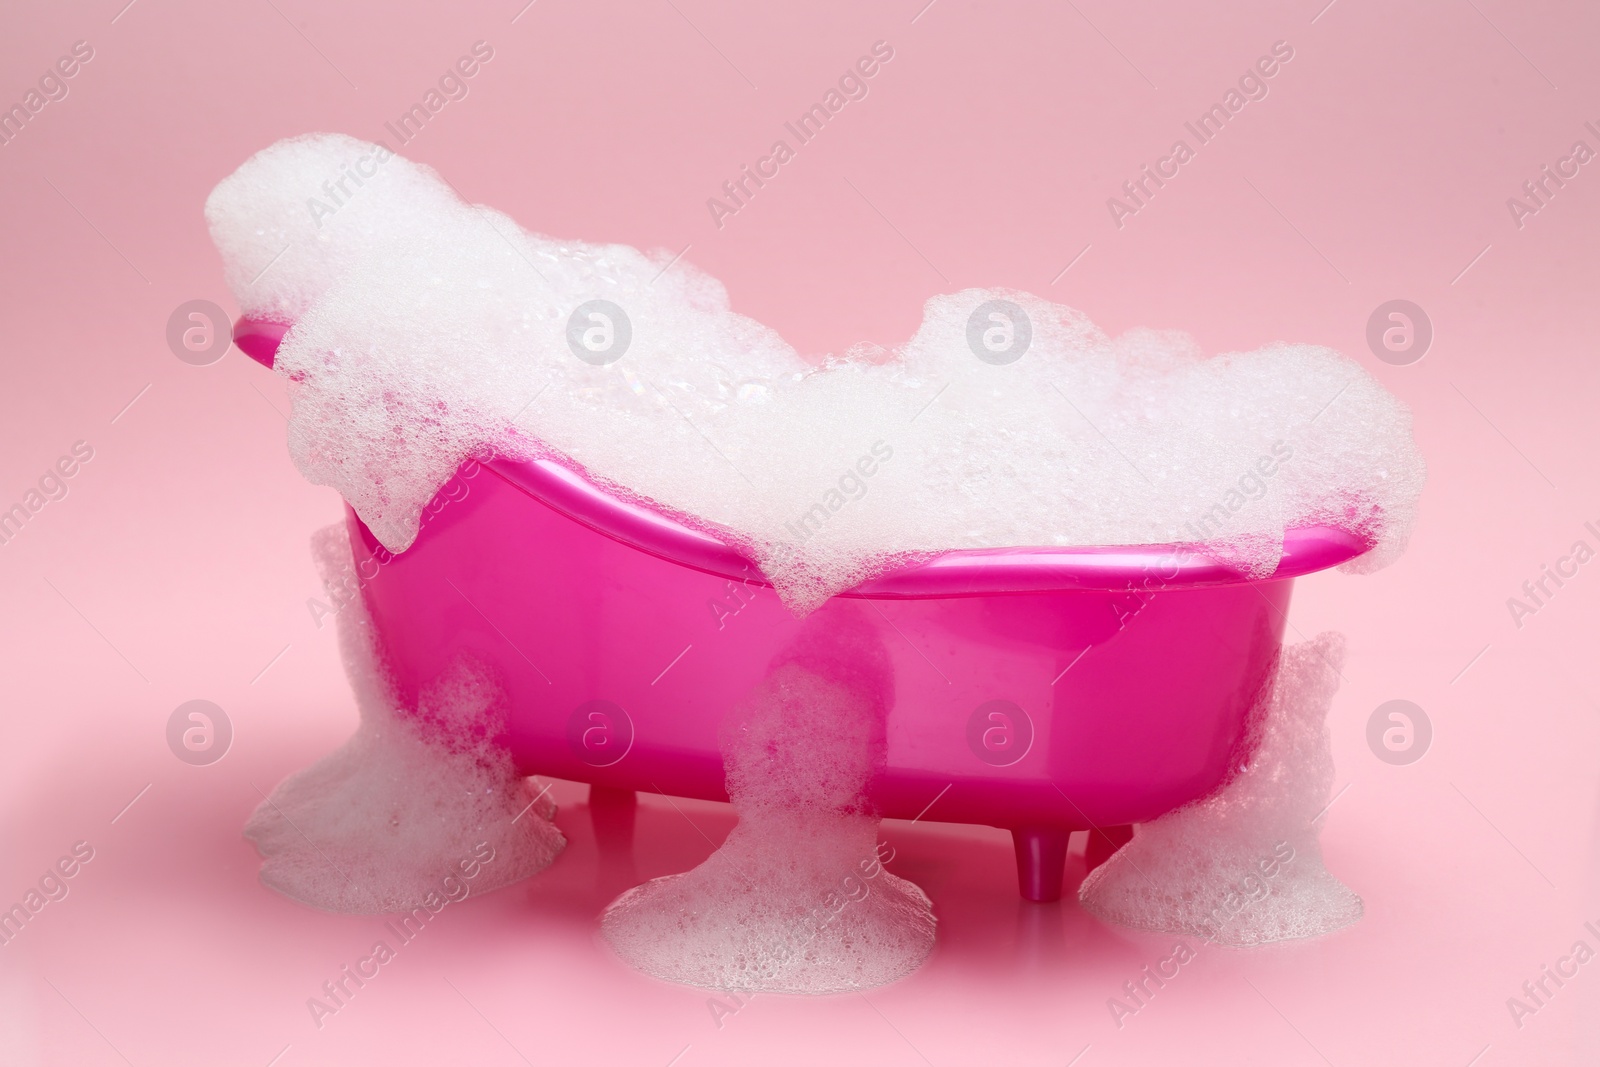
(612, 812)
(1103, 842)
(1041, 859)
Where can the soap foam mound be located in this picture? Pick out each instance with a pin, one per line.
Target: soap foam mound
(280, 253)
(426, 329)
(796, 900)
(1244, 866)
(378, 825)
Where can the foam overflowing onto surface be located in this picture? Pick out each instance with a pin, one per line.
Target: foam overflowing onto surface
(426, 328)
(796, 900)
(287, 233)
(1244, 866)
(383, 821)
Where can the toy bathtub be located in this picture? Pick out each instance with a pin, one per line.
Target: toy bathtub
(1041, 690)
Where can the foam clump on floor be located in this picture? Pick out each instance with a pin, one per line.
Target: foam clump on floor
(420, 806)
(1244, 866)
(425, 328)
(796, 900)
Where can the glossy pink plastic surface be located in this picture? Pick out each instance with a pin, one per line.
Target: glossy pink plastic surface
(620, 666)
(1041, 690)
(259, 340)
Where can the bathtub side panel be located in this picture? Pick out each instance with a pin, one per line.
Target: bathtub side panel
(1065, 708)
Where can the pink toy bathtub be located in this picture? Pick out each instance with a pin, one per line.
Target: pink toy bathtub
(1044, 691)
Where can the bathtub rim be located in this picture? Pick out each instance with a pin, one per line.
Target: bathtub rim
(958, 572)
(953, 573)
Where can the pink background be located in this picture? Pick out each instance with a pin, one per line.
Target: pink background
(177, 567)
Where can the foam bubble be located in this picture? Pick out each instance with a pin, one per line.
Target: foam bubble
(381, 823)
(796, 900)
(426, 328)
(293, 218)
(1244, 866)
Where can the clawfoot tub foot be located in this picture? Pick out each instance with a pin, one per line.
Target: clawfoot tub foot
(1041, 860)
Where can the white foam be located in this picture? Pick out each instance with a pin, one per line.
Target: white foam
(286, 231)
(380, 823)
(796, 899)
(426, 328)
(1244, 866)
